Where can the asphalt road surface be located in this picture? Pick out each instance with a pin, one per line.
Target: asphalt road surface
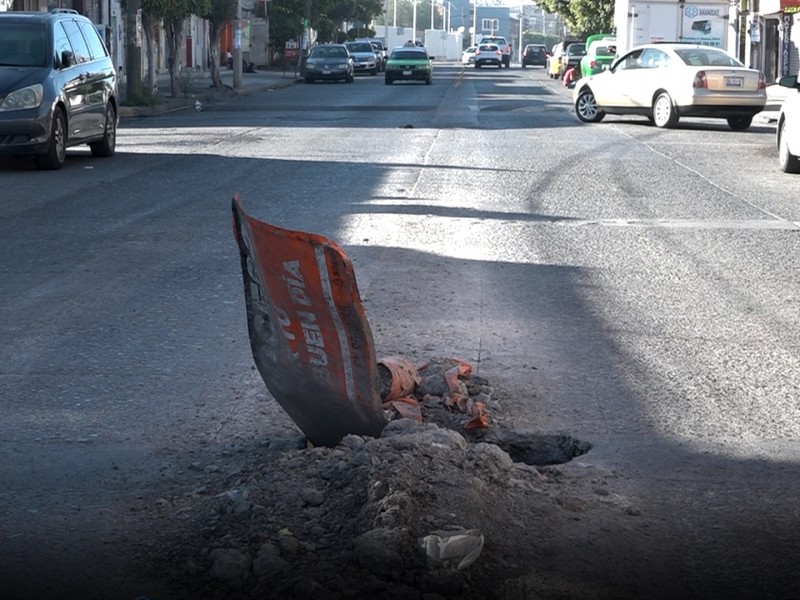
(633, 287)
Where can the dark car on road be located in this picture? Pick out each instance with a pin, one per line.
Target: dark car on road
(329, 62)
(58, 87)
(535, 55)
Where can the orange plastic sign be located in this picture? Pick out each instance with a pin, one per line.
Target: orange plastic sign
(308, 331)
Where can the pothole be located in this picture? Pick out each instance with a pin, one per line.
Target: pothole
(539, 449)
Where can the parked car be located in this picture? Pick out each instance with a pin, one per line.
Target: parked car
(329, 62)
(788, 129)
(500, 42)
(58, 87)
(409, 64)
(554, 64)
(364, 59)
(571, 59)
(468, 56)
(601, 50)
(665, 82)
(535, 54)
(380, 51)
(488, 54)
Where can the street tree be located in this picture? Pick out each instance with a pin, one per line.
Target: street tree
(173, 13)
(583, 17)
(221, 12)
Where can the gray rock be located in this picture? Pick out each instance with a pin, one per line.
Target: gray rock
(312, 497)
(268, 566)
(229, 565)
(455, 548)
(383, 550)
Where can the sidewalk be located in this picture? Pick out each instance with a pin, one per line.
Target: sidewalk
(775, 97)
(198, 89)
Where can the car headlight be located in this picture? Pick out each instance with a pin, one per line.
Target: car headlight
(311, 66)
(27, 97)
(342, 67)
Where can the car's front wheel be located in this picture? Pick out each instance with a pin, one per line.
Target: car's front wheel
(739, 123)
(106, 146)
(664, 113)
(56, 154)
(349, 78)
(388, 80)
(586, 107)
(789, 162)
(429, 80)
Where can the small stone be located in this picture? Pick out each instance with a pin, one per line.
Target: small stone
(229, 565)
(270, 566)
(312, 497)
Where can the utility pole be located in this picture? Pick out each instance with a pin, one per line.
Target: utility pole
(742, 30)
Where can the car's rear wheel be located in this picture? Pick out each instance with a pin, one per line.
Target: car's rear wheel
(739, 123)
(664, 113)
(789, 162)
(56, 154)
(108, 144)
(586, 107)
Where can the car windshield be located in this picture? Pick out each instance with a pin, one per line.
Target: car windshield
(323, 52)
(22, 45)
(409, 54)
(576, 49)
(706, 57)
(488, 48)
(360, 47)
(604, 50)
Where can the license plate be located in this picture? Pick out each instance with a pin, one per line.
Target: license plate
(407, 73)
(734, 81)
(326, 71)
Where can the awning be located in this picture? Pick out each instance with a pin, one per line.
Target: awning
(790, 6)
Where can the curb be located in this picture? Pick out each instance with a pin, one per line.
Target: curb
(171, 104)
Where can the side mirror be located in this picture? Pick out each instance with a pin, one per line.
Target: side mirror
(789, 82)
(67, 58)
(431, 57)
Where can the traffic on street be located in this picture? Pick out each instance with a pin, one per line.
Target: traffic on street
(631, 288)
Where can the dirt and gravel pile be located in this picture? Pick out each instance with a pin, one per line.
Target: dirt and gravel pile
(428, 510)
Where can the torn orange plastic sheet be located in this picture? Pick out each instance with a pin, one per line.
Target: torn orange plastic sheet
(308, 330)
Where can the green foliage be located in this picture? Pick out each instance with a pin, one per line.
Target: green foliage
(583, 17)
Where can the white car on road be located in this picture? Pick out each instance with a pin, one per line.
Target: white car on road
(788, 130)
(665, 82)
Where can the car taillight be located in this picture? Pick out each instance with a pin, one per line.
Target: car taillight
(508, 49)
(762, 81)
(592, 64)
(499, 53)
(477, 52)
(700, 80)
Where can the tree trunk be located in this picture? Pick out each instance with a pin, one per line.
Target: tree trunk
(174, 31)
(149, 27)
(213, 40)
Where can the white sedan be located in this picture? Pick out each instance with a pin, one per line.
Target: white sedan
(667, 81)
(788, 130)
(468, 56)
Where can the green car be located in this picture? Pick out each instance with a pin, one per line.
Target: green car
(409, 63)
(601, 49)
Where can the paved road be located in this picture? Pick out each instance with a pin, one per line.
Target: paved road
(636, 288)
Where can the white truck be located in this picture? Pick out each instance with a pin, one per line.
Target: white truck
(707, 23)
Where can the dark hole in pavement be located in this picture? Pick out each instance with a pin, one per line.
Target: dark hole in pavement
(539, 449)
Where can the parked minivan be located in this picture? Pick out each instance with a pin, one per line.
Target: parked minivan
(58, 87)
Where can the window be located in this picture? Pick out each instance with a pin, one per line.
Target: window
(62, 43)
(93, 40)
(490, 25)
(77, 42)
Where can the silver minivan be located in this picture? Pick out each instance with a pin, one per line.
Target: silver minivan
(58, 87)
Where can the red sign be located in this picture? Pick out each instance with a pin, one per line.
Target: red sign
(308, 330)
(790, 6)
